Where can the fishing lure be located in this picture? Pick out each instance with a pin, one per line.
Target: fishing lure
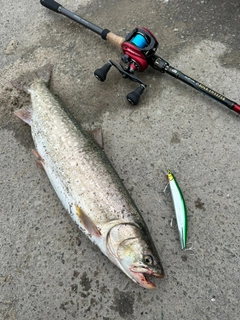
(179, 208)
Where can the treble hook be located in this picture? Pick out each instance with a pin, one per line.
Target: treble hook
(165, 189)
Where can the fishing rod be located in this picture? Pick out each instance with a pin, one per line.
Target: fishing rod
(139, 48)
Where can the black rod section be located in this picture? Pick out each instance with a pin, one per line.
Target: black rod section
(199, 86)
(51, 4)
(83, 22)
(163, 66)
(56, 7)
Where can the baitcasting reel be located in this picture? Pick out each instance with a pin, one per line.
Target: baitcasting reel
(138, 47)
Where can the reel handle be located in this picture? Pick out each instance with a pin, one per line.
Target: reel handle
(51, 4)
(101, 73)
(134, 96)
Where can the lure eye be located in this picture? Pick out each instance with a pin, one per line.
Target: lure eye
(148, 259)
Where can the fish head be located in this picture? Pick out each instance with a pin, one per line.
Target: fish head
(137, 256)
(139, 262)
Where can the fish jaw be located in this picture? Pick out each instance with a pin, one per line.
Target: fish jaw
(142, 278)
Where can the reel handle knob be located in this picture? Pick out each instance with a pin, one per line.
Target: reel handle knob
(134, 96)
(101, 74)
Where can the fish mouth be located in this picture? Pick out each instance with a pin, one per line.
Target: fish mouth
(143, 278)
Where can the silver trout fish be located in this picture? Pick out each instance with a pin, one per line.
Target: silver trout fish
(87, 184)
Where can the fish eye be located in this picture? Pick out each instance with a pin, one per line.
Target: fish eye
(148, 259)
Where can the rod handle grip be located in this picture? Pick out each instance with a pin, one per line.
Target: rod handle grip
(115, 40)
(51, 4)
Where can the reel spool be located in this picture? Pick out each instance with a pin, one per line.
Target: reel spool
(138, 47)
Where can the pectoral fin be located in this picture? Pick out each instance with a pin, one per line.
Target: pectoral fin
(87, 223)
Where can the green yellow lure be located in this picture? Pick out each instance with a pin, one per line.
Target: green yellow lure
(179, 208)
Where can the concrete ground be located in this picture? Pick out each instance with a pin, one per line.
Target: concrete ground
(49, 269)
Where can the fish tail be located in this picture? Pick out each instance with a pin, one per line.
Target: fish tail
(25, 81)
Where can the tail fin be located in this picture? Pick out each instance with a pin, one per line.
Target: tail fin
(26, 80)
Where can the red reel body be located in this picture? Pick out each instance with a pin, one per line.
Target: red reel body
(140, 44)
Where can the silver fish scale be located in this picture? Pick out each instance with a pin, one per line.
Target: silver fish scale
(78, 169)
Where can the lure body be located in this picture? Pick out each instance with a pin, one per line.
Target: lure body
(179, 208)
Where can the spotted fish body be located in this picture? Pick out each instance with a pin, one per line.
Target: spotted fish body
(87, 184)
